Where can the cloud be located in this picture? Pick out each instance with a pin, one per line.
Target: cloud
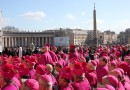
(83, 13)
(6, 21)
(89, 23)
(70, 17)
(38, 15)
(120, 26)
(100, 21)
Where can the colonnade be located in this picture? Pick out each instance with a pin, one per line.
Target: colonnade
(26, 41)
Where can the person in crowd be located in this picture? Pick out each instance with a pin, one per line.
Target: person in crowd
(73, 52)
(36, 50)
(125, 65)
(65, 78)
(117, 73)
(53, 54)
(8, 74)
(30, 63)
(80, 82)
(45, 57)
(45, 82)
(112, 65)
(50, 73)
(126, 51)
(40, 70)
(109, 82)
(102, 68)
(30, 84)
(90, 73)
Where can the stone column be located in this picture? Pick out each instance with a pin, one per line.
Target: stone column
(3, 41)
(23, 42)
(15, 41)
(28, 41)
(18, 41)
(39, 41)
(9, 42)
(12, 42)
(42, 41)
(6, 42)
(46, 41)
(49, 40)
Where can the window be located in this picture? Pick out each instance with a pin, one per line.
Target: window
(100, 37)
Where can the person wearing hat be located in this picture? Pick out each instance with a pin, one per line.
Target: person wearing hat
(60, 64)
(80, 82)
(105, 87)
(110, 80)
(30, 84)
(105, 52)
(73, 52)
(58, 67)
(118, 57)
(125, 65)
(30, 65)
(8, 73)
(65, 77)
(102, 68)
(45, 57)
(23, 71)
(53, 54)
(112, 57)
(40, 70)
(112, 65)
(45, 82)
(60, 59)
(117, 73)
(63, 54)
(90, 73)
(72, 62)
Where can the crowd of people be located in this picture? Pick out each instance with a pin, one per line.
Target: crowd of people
(75, 68)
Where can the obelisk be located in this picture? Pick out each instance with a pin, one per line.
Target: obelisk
(95, 38)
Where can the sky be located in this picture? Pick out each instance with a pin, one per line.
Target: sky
(42, 15)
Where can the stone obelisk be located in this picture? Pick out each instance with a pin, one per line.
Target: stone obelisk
(95, 37)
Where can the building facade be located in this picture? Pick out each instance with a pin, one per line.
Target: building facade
(104, 38)
(15, 38)
(26, 39)
(76, 36)
(124, 37)
(110, 37)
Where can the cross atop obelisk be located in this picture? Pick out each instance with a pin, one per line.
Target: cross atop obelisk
(94, 6)
(95, 38)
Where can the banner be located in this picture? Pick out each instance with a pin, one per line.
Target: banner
(61, 41)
